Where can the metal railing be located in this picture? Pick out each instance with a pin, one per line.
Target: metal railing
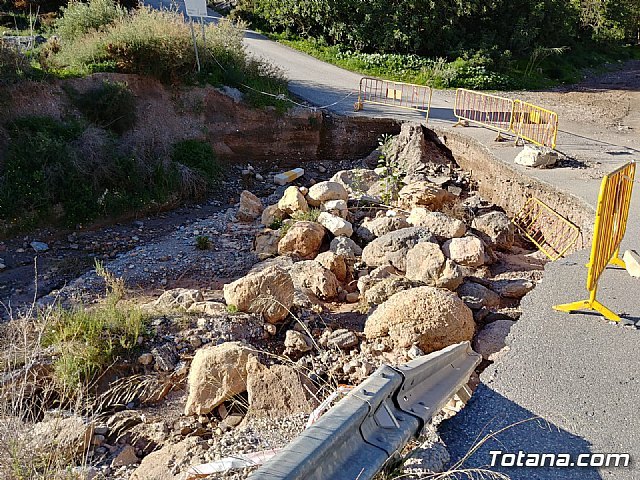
(395, 94)
(487, 110)
(357, 437)
(612, 213)
(535, 124)
(553, 234)
(525, 120)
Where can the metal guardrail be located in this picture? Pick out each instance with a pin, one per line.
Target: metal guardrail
(357, 437)
(553, 234)
(526, 121)
(487, 110)
(535, 124)
(395, 94)
(612, 214)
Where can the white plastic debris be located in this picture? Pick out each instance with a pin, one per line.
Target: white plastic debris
(289, 176)
(237, 462)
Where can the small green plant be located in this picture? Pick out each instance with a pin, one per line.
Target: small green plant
(310, 215)
(232, 309)
(88, 340)
(203, 242)
(391, 181)
(111, 106)
(276, 224)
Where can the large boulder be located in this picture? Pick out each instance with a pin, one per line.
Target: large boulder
(338, 226)
(539, 157)
(335, 263)
(467, 251)
(303, 239)
(292, 201)
(269, 291)
(372, 228)
(412, 151)
(422, 194)
(442, 226)
(217, 373)
(477, 296)
(250, 207)
(496, 228)
(279, 391)
(425, 263)
(311, 276)
(325, 191)
(429, 317)
(491, 340)
(392, 248)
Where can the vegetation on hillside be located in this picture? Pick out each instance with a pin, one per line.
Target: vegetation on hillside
(70, 172)
(448, 44)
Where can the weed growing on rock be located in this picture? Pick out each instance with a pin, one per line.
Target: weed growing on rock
(391, 181)
(310, 215)
(88, 339)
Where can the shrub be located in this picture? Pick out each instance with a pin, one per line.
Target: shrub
(111, 106)
(198, 156)
(155, 43)
(79, 17)
(88, 340)
(13, 64)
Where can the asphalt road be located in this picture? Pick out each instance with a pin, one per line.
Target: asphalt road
(577, 374)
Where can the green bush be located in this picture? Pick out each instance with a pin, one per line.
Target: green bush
(198, 156)
(154, 43)
(60, 172)
(88, 340)
(13, 64)
(111, 106)
(79, 17)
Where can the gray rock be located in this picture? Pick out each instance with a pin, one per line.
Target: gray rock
(496, 229)
(370, 229)
(345, 247)
(392, 248)
(477, 296)
(490, 341)
(343, 339)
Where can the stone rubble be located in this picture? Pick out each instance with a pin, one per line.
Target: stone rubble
(320, 287)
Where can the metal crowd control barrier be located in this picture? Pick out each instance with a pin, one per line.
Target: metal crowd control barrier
(553, 234)
(487, 110)
(611, 222)
(395, 94)
(535, 124)
(356, 438)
